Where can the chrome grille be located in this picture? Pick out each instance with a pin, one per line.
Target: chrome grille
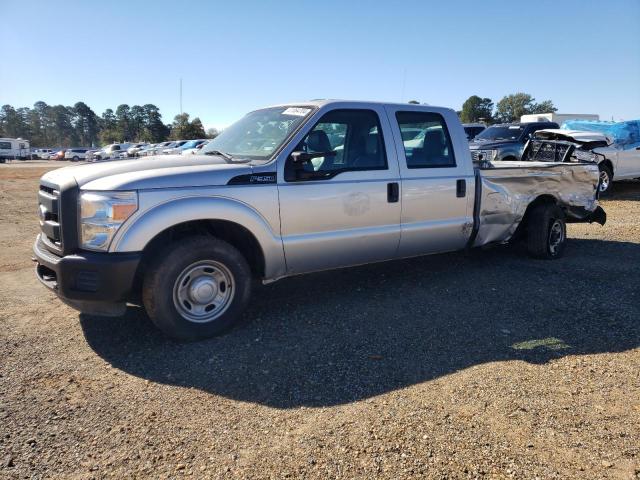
(49, 213)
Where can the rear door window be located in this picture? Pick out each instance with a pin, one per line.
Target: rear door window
(431, 147)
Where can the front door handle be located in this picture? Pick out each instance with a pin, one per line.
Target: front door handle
(461, 188)
(393, 192)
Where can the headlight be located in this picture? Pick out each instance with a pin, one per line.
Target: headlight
(489, 155)
(101, 214)
(584, 156)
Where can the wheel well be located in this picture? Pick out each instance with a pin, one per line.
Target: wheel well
(609, 165)
(232, 233)
(541, 200)
(509, 158)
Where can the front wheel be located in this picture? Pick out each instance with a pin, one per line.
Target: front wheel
(546, 232)
(197, 288)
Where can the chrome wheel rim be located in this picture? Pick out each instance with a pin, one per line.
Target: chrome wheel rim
(203, 291)
(604, 180)
(556, 237)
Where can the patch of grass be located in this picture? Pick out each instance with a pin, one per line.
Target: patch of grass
(550, 343)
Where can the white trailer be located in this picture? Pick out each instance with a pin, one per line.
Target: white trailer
(559, 118)
(14, 148)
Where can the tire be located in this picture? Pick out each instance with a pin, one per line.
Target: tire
(546, 232)
(197, 288)
(605, 185)
(75, 159)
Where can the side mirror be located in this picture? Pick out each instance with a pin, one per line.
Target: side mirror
(301, 157)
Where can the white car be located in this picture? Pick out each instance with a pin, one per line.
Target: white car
(41, 153)
(154, 149)
(75, 154)
(134, 149)
(111, 151)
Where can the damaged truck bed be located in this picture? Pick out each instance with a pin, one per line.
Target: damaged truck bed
(506, 190)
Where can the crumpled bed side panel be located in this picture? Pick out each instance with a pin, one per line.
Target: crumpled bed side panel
(507, 192)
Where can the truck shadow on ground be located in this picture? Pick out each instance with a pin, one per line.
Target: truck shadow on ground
(336, 337)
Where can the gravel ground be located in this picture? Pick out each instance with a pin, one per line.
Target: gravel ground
(488, 365)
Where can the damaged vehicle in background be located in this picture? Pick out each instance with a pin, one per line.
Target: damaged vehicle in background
(614, 147)
(505, 142)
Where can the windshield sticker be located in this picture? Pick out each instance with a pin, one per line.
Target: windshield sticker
(297, 111)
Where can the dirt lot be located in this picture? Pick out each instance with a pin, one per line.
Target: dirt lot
(489, 365)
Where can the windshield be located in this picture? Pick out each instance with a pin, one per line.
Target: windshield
(258, 134)
(501, 132)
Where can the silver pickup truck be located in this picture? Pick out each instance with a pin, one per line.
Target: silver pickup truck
(287, 190)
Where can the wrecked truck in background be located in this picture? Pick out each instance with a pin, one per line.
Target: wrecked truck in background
(287, 190)
(613, 146)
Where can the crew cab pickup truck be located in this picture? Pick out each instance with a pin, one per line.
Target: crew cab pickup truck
(287, 190)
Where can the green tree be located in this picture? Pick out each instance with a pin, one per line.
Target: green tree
(183, 129)
(154, 130)
(137, 122)
(108, 131)
(123, 122)
(85, 124)
(212, 132)
(42, 116)
(63, 132)
(475, 109)
(544, 107)
(511, 107)
(13, 122)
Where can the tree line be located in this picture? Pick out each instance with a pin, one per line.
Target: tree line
(63, 126)
(509, 109)
(78, 125)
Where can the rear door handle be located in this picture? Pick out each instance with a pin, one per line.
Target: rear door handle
(393, 192)
(461, 188)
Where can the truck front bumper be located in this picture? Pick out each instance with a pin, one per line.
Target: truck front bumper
(94, 283)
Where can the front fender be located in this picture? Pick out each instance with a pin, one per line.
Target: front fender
(146, 224)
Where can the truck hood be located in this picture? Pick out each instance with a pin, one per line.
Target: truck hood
(163, 171)
(594, 139)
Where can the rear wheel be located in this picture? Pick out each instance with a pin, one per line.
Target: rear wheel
(197, 288)
(546, 232)
(75, 159)
(606, 179)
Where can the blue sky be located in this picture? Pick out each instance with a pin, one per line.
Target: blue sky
(240, 55)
